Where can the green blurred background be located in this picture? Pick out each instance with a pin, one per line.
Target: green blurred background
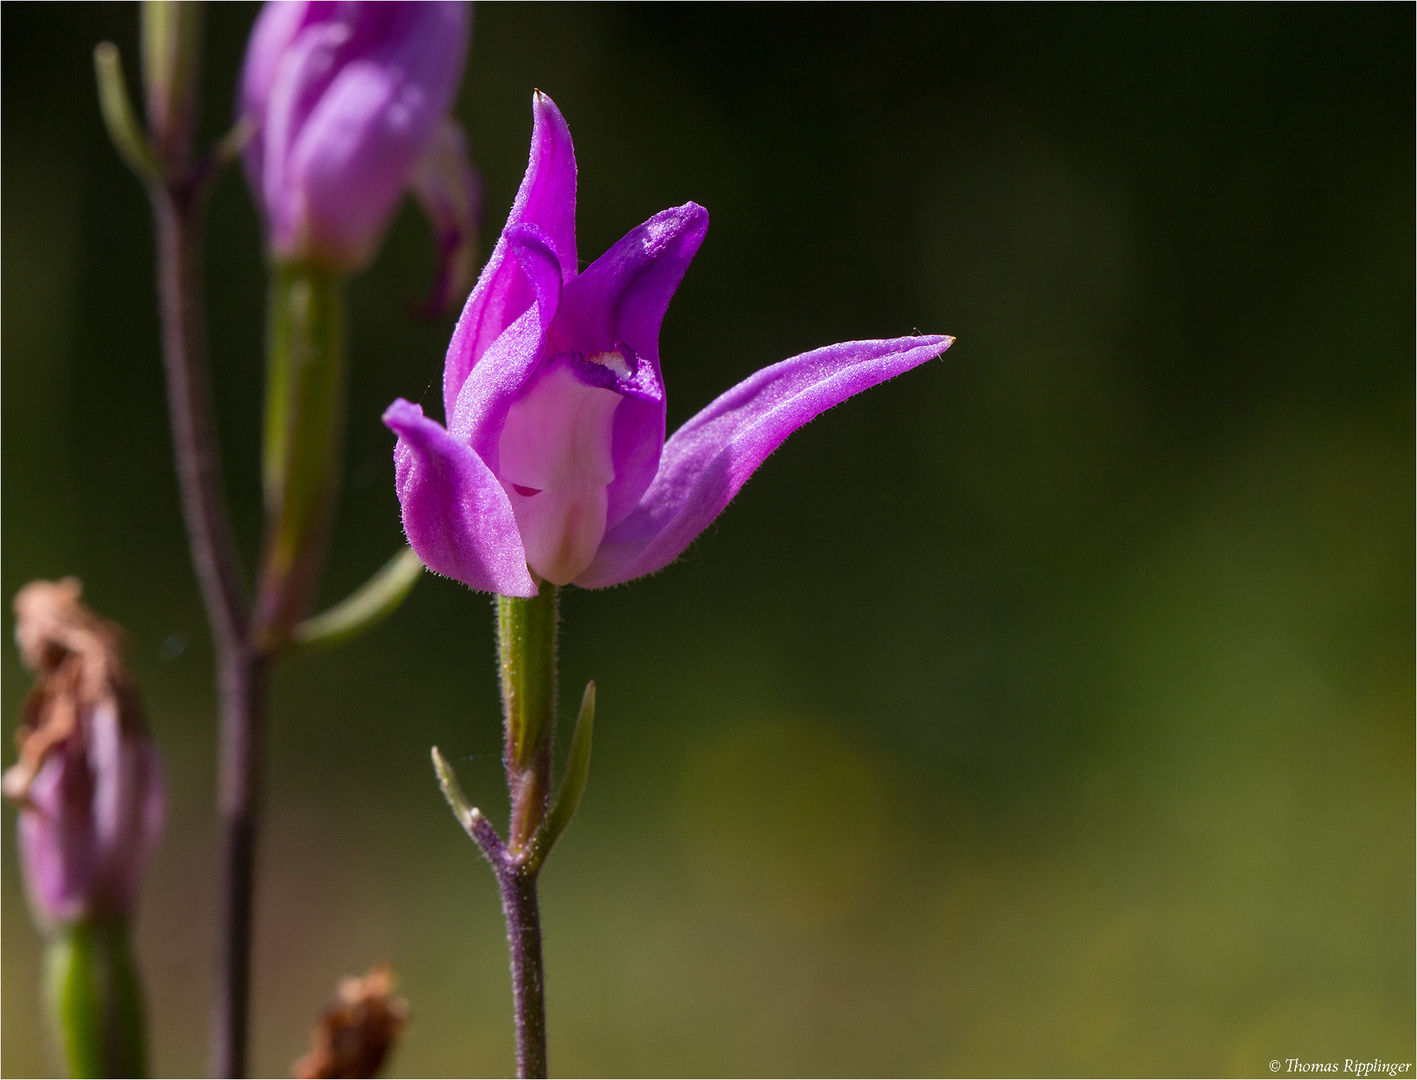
(1048, 710)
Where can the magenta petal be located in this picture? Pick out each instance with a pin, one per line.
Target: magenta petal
(547, 197)
(127, 809)
(274, 33)
(358, 148)
(300, 76)
(347, 96)
(487, 393)
(547, 200)
(622, 297)
(711, 457)
(455, 513)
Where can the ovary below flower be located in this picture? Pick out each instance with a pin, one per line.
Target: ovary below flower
(554, 463)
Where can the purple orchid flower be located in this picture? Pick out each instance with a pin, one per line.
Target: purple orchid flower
(554, 461)
(351, 100)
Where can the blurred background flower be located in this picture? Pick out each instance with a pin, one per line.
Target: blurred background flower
(347, 99)
(1118, 700)
(88, 782)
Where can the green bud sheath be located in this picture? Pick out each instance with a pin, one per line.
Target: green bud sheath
(305, 387)
(95, 1002)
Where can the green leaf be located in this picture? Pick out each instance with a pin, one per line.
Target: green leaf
(376, 600)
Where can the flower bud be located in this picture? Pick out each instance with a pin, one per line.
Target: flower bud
(348, 97)
(88, 781)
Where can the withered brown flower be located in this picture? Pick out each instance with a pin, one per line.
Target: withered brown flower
(88, 780)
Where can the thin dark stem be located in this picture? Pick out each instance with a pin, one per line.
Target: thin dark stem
(517, 882)
(528, 985)
(243, 707)
(240, 666)
(178, 211)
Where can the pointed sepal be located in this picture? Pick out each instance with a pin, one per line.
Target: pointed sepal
(452, 790)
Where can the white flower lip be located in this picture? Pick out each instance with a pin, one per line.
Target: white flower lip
(555, 458)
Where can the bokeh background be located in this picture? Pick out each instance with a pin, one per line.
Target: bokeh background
(1048, 710)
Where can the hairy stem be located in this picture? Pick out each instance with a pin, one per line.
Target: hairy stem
(518, 885)
(243, 689)
(172, 55)
(526, 651)
(178, 209)
(178, 205)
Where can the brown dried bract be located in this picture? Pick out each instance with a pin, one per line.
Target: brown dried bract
(356, 1033)
(78, 658)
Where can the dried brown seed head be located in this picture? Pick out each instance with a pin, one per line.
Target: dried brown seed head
(357, 1031)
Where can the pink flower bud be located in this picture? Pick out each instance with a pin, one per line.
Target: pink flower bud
(89, 780)
(349, 97)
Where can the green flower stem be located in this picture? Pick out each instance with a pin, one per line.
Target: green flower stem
(305, 387)
(95, 1002)
(526, 653)
(526, 650)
